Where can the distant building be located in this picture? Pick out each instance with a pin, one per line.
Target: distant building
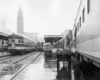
(33, 36)
(20, 22)
(40, 39)
(3, 26)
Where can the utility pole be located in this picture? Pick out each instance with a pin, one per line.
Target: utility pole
(53, 24)
(53, 20)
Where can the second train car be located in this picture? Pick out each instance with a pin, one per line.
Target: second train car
(19, 44)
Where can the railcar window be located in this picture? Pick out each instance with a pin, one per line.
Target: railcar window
(80, 21)
(77, 26)
(12, 40)
(19, 41)
(75, 32)
(88, 6)
(83, 14)
(22, 41)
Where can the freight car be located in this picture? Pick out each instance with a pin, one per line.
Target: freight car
(19, 44)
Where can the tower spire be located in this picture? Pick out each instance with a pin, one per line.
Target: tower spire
(20, 9)
(20, 21)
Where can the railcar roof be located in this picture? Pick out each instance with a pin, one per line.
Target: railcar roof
(19, 36)
(3, 35)
(15, 36)
(52, 38)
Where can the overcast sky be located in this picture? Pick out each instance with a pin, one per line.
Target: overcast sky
(41, 16)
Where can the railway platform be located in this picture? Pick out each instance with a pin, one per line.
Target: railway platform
(44, 68)
(4, 54)
(37, 72)
(3, 37)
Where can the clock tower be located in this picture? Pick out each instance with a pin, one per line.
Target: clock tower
(20, 22)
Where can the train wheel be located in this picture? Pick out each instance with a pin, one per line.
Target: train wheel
(81, 58)
(22, 52)
(77, 56)
(12, 53)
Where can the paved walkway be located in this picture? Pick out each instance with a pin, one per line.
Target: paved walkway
(37, 71)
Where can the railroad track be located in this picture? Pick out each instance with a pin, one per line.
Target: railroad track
(12, 57)
(84, 72)
(6, 57)
(24, 58)
(24, 67)
(95, 71)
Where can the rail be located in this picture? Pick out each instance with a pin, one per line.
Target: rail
(84, 72)
(15, 76)
(11, 57)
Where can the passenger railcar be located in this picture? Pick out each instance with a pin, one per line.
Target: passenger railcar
(19, 44)
(40, 46)
(57, 45)
(65, 42)
(86, 32)
(47, 48)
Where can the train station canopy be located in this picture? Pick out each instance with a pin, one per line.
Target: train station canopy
(52, 38)
(3, 36)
